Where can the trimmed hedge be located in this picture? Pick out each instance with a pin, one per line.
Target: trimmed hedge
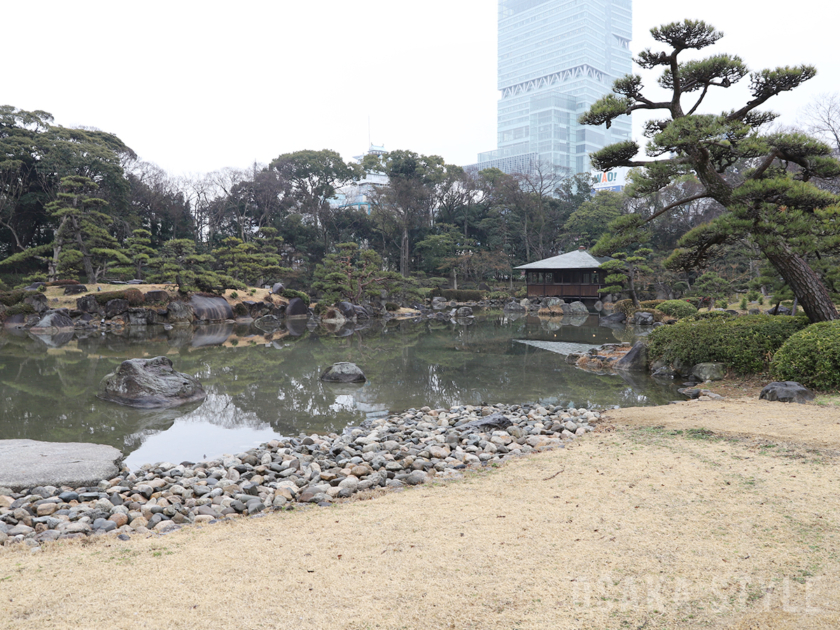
(291, 293)
(459, 295)
(746, 344)
(17, 309)
(134, 297)
(677, 308)
(810, 357)
(10, 298)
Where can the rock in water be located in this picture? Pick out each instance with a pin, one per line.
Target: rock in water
(575, 308)
(179, 312)
(54, 320)
(343, 372)
(150, 383)
(786, 391)
(212, 309)
(297, 308)
(635, 360)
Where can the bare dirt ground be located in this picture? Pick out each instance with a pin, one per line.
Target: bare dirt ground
(698, 515)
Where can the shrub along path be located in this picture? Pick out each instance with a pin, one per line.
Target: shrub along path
(633, 526)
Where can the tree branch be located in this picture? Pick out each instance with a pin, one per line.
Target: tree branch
(659, 213)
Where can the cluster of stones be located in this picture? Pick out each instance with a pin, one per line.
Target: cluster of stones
(391, 452)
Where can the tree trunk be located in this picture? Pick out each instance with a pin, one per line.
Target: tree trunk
(805, 283)
(633, 290)
(404, 253)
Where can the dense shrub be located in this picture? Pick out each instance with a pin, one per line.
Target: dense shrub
(650, 303)
(459, 295)
(625, 306)
(677, 308)
(746, 344)
(391, 307)
(291, 293)
(134, 297)
(10, 298)
(710, 316)
(810, 357)
(18, 309)
(240, 310)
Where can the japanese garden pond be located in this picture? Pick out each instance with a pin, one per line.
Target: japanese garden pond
(263, 386)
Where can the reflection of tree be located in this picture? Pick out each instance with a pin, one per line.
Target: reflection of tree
(49, 394)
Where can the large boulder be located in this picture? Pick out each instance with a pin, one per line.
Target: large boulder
(709, 371)
(348, 310)
(361, 312)
(343, 372)
(786, 391)
(464, 311)
(575, 308)
(333, 315)
(156, 297)
(179, 312)
(514, 307)
(635, 360)
(75, 289)
(211, 309)
(149, 383)
(640, 318)
(780, 310)
(38, 301)
(614, 318)
(25, 464)
(53, 321)
(114, 308)
(297, 308)
(278, 288)
(87, 304)
(138, 317)
(268, 323)
(553, 302)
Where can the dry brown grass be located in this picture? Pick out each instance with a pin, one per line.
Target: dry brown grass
(630, 527)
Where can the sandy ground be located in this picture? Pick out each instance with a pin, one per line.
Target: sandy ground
(697, 515)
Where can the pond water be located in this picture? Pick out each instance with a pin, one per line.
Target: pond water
(264, 386)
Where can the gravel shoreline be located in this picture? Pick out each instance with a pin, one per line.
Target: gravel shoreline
(403, 449)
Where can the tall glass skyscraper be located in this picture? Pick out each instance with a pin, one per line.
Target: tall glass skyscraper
(556, 58)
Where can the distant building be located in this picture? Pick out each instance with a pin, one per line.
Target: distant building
(357, 195)
(556, 58)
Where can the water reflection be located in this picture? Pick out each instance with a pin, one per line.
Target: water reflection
(265, 384)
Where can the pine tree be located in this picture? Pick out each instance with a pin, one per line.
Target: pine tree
(770, 198)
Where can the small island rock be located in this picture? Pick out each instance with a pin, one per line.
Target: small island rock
(150, 383)
(343, 372)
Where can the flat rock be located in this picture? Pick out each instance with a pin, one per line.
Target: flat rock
(28, 463)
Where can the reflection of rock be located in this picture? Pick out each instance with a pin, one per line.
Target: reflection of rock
(211, 335)
(513, 307)
(149, 383)
(465, 321)
(268, 323)
(464, 311)
(211, 309)
(575, 319)
(343, 372)
(296, 326)
(54, 340)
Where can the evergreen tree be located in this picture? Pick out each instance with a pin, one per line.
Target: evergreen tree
(773, 199)
(623, 272)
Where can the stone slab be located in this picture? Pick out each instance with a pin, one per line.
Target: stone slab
(27, 463)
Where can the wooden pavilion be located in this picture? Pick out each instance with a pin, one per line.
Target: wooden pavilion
(575, 275)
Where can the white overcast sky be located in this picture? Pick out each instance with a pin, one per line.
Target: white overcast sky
(195, 86)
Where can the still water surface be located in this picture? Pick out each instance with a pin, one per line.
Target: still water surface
(264, 386)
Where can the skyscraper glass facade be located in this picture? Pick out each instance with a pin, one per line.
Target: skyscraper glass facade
(556, 58)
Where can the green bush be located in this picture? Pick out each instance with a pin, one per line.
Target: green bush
(240, 310)
(10, 298)
(710, 315)
(810, 357)
(291, 293)
(746, 344)
(625, 306)
(233, 295)
(134, 297)
(18, 309)
(650, 303)
(677, 308)
(390, 306)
